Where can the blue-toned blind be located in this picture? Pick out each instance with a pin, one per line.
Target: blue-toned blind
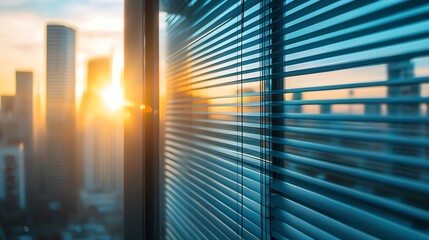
(212, 167)
(350, 120)
(296, 119)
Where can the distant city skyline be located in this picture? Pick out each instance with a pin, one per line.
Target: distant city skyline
(45, 46)
(99, 26)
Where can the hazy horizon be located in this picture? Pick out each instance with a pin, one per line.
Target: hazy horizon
(99, 28)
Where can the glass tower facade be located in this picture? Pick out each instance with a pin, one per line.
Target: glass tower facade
(59, 182)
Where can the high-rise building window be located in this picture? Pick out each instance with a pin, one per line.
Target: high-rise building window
(295, 119)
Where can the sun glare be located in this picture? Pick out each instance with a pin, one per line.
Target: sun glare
(113, 98)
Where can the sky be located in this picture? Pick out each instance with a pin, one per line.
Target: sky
(99, 25)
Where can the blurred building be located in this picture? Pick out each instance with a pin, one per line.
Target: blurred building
(8, 125)
(98, 74)
(60, 185)
(403, 70)
(7, 103)
(101, 141)
(17, 113)
(12, 176)
(23, 111)
(16, 125)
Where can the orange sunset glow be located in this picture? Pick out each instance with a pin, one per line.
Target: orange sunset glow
(61, 118)
(22, 39)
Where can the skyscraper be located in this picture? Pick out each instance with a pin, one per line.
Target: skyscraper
(12, 179)
(16, 128)
(102, 140)
(402, 70)
(23, 110)
(99, 74)
(60, 164)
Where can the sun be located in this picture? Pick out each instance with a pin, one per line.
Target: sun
(113, 98)
(113, 94)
